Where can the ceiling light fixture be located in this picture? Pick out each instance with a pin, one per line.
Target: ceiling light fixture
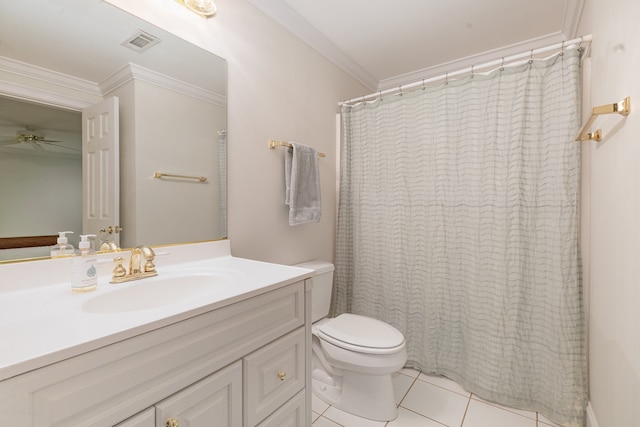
(205, 8)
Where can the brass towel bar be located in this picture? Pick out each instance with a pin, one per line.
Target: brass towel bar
(623, 108)
(273, 144)
(170, 175)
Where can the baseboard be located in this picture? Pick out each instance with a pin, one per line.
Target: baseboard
(591, 417)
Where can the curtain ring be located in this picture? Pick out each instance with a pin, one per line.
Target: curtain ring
(580, 44)
(472, 71)
(423, 88)
(502, 65)
(531, 57)
(562, 48)
(400, 89)
(446, 78)
(380, 95)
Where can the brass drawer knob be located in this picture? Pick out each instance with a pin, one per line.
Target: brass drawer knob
(172, 422)
(282, 375)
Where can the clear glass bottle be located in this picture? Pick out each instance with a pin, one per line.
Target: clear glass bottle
(63, 248)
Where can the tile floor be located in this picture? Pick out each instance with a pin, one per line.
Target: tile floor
(432, 401)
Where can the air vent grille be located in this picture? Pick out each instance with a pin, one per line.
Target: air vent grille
(141, 41)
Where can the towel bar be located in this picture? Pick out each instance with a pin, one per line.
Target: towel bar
(170, 175)
(273, 144)
(623, 108)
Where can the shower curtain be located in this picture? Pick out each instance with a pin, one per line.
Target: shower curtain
(458, 224)
(222, 182)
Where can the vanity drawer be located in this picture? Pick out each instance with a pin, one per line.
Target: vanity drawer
(273, 375)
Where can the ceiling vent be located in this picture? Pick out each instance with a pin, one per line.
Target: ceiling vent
(141, 41)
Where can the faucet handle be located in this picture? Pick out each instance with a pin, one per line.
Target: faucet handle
(149, 256)
(119, 270)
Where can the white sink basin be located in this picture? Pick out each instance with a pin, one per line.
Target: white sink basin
(160, 291)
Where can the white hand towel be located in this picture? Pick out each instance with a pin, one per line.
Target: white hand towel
(302, 184)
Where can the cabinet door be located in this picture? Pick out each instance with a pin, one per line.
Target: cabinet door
(273, 375)
(145, 418)
(213, 401)
(291, 414)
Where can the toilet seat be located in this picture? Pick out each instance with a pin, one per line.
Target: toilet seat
(361, 334)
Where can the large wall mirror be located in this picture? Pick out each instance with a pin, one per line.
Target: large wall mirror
(60, 57)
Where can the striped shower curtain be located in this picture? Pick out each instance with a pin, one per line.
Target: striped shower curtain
(222, 183)
(458, 224)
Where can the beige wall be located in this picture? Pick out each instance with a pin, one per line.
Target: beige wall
(279, 88)
(31, 184)
(188, 129)
(614, 268)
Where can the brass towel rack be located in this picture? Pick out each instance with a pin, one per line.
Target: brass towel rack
(273, 144)
(623, 108)
(171, 175)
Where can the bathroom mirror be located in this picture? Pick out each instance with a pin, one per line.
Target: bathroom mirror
(59, 57)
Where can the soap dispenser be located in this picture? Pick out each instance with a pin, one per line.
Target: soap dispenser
(84, 275)
(63, 248)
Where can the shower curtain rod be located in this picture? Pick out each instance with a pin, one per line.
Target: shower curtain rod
(490, 64)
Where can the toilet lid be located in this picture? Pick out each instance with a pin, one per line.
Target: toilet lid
(361, 331)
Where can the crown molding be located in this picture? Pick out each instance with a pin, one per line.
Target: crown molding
(52, 78)
(66, 82)
(131, 72)
(48, 76)
(28, 93)
(288, 18)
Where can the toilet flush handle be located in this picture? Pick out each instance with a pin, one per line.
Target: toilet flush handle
(282, 375)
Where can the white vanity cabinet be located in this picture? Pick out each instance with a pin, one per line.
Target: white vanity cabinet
(242, 365)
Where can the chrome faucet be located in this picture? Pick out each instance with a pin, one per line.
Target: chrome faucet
(141, 265)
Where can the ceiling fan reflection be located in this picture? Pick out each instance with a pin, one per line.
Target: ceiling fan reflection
(35, 139)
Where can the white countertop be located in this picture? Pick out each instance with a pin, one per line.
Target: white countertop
(43, 322)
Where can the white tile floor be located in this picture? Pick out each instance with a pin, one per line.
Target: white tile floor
(431, 401)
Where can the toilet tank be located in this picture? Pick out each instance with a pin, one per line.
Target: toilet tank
(322, 287)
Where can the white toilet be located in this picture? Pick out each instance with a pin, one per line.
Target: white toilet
(353, 356)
